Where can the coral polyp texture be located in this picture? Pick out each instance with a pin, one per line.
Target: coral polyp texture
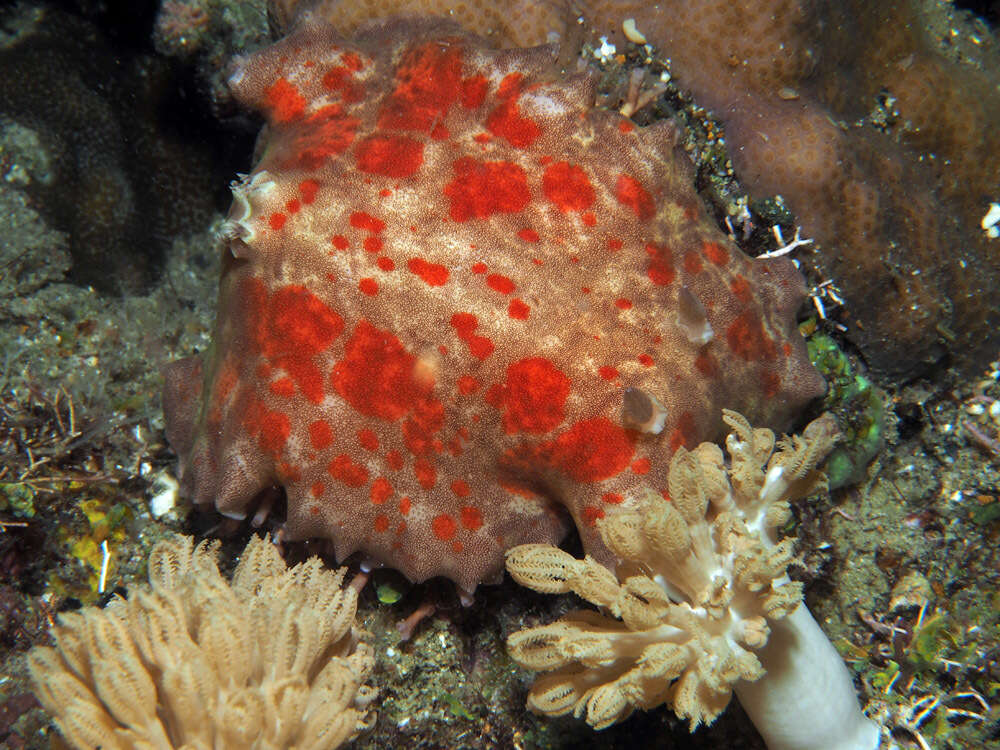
(700, 604)
(271, 661)
(512, 23)
(885, 148)
(456, 297)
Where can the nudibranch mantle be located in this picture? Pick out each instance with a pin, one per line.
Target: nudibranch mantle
(441, 279)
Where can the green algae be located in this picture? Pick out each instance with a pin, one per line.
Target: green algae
(858, 405)
(390, 586)
(18, 498)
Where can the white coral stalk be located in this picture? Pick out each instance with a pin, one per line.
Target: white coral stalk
(806, 697)
(700, 604)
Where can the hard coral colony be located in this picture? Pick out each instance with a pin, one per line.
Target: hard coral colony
(456, 296)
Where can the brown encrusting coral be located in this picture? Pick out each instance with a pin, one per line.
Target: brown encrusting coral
(880, 137)
(272, 661)
(700, 604)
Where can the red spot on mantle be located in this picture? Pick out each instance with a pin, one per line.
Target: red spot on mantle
(376, 375)
(367, 439)
(465, 325)
(390, 155)
(740, 288)
(683, 435)
(381, 491)
(518, 310)
(660, 270)
(428, 82)
(568, 187)
(592, 450)
(706, 365)
(284, 101)
(340, 79)
(324, 135)
(362, 220)
(692, 262)
(716, 254)
(748, 340)
(770, 383)
(425, 473)
(472, 519)
(433, 274)
(320, 434)
(467, 385)
(292, 322)
(630, 193)
(499, 283)
(506, 121)
(474, 91)
(444, 527)
(352, 61)
(346, 470)
(533, 398)
(272, 428)
(641, 466)
(591, 515)
(481, 189)
(308, 189)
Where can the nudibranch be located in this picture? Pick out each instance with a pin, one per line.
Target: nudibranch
(461, 306)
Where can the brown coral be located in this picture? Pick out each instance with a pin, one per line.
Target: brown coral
(272, 660)
(513, 23)
(896, 202)
(101, 122)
